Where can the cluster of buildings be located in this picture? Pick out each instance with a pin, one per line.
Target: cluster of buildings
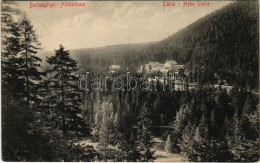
(154, 67)
(155, 71)
(160, 70)
(164, 70)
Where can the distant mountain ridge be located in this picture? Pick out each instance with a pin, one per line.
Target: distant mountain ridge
(99, 50)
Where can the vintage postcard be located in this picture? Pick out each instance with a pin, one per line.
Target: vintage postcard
(130, 81)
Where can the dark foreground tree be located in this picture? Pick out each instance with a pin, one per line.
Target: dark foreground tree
(144, 135)
(22, 140)
(30, 61)
(64, 104)
(10, 48)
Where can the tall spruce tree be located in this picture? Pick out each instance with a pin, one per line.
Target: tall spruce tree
(104, 135)
(187, 141)
(181, 120)
(10, 49)
(127, 148)
(168, 144)
(122, 146)
(242, 146)
(201, 143)
(65, 95)
(29, 46)
(64, 105)
(22, 140)
(144, 135)
(133, 154)
(235, 138)
(106, 128)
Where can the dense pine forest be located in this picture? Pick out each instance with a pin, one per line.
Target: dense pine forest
(46, 117)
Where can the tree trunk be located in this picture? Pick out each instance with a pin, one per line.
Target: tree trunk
(27, 69)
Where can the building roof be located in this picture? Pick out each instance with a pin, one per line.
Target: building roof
(154, 63)
(180, 66)
(172, 62)
(115, 66)
(164, 70)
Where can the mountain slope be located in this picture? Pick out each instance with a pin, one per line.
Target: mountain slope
(225, 42)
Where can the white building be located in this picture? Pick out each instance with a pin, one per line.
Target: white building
(170, 63)
(114, 68)
(153, 67)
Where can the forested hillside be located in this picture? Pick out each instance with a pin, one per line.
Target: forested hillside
(224, 43)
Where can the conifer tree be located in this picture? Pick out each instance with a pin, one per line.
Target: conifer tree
(182, 117)
(156, 104)
(254, 120)
(10, 48)
(104, 136)
(236, 139)
(65, 100)
(105, 128)
(97, 125)
(144, 135)
(168, 144)
(65, 105)
(120, 140)
(242, 146)
(122, 146)
(248, 109)
(201, 144)
(22, 139)
(97, 103)
(133, 154)
(181, 120)
(20, 61)
(127, 148)
(10, 84)
(30, 61)
(186, 142)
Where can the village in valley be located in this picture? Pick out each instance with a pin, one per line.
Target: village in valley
(155, 71)
(170, 70)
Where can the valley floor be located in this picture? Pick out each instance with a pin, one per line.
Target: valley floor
(160, 154)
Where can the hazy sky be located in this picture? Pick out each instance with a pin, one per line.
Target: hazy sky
(109, 23)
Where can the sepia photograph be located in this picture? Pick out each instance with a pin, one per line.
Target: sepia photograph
(130, 81)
